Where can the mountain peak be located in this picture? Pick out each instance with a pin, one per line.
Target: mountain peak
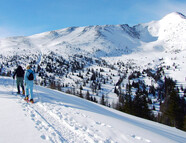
(174, 16)
(180, 14)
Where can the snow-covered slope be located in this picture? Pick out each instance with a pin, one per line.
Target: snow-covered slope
(59, 117)
(93, 40)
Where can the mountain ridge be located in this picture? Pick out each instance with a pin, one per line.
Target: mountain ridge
(105, 40)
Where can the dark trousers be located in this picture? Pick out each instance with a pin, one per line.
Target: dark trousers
(19, 82)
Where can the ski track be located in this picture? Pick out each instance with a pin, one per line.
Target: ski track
(57, 126)
(56, 123)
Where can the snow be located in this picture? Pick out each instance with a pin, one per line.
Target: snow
(60, 117)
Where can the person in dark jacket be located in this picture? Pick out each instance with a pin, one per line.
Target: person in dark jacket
(19, 73)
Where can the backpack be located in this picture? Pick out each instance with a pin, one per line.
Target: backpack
(31, 76)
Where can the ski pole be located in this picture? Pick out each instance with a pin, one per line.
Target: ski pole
(37, 92)
(13, 87)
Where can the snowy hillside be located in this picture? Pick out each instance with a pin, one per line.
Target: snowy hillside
(59, 117)
(96, 41)
(110, 64)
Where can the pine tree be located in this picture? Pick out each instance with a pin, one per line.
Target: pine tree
(128, 99)
(116, 91)
(184, 127)
(140, 106)
(95, 100)
(81, 94)
(52, 84)
(59, 86)
(173, 109)
(102, 101)
(128, 103)
(88, 95)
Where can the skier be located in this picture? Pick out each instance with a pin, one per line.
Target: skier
(19, 73)
(28, 80)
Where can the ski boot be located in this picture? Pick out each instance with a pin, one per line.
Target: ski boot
(26, 98)
(23, 92)
(31, 101)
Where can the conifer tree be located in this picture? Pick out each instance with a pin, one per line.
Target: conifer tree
(173, 109)
(102, 101)
(95, 100)
(184, 127)
(128, 99)
(140, 106)
(88, 95)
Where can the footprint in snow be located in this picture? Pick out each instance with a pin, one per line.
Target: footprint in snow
(32, 115)
(102, 124)
(38, 122)
(140, 138)
(44, 137)
(53, 134)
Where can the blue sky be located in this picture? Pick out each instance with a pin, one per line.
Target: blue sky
(28, 17)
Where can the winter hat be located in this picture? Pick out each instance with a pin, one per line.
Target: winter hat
(28, 67)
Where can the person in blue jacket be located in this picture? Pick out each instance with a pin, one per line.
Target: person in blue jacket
(29, 82)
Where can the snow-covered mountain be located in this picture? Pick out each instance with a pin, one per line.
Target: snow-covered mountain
(104, 60)
(167, 34)
(162, 39)
(99, 41)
